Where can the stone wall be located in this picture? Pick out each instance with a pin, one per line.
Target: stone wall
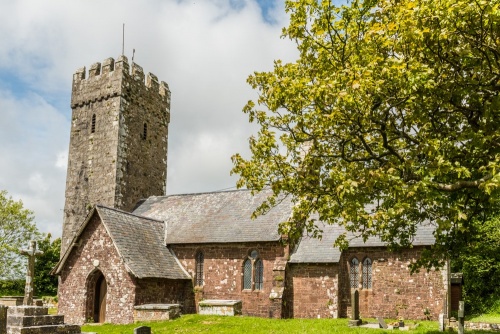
(311, 291)
(110, 162)
(394, 293)
(95, 253)
(3, 319)
(223, 274)
(165, 291)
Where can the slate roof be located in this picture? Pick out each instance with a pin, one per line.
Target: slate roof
(139, 242)
(313, 250)
(216, 217)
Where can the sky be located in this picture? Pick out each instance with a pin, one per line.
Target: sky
(204, 50)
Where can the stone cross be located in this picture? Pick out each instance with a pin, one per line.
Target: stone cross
(31, 253)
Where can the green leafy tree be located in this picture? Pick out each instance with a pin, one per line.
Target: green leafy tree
(16, 229)
(393, 105)
(479, 262)
(46, 284)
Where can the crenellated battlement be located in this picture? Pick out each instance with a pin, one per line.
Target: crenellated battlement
(115, 78)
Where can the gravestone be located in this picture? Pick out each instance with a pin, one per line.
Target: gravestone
(142, 330)
(461, 315)
(381, 323)
(441, 322)
(355, 320)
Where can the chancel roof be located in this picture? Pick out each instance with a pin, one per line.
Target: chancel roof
(314, 250)
(216, 217)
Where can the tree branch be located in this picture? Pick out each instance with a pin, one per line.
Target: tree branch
(462, 184)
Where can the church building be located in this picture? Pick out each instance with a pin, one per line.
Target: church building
(126, 244)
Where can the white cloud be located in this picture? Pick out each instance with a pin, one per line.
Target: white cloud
(62, 160)
(204, 50)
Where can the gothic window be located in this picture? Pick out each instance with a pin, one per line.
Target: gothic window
(367, 273)
(247, 275)
(253, 272)
(354, 273)
(145, 131)
(92, 124)
(199, 268)
(259, 274)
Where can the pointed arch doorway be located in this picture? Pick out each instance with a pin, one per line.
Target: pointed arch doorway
(96, 298)
(101, 290)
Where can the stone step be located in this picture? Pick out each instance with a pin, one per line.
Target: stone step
(37, 320)
(54, 329)
(27, 310)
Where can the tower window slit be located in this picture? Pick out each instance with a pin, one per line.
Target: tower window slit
(145, 131)
(92, 126)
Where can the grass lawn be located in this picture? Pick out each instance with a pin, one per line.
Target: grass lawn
(192, 323)
(490, 318)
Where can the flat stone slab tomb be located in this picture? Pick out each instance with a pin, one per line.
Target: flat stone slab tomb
(151, 312)
(220, 307)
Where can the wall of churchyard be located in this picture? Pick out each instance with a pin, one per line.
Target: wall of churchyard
(311, 291)
(96, 252)
(394, 293)
(165, 291)
(223, 274)
(118, 141)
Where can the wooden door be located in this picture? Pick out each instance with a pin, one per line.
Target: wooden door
(103, 289)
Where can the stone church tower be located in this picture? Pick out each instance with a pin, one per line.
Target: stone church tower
(118, 143)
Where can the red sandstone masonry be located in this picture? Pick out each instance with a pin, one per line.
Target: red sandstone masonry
(75, 278)
(395, 293)
(223, 274)
(76, 288)
(165, 291)
(312, 291)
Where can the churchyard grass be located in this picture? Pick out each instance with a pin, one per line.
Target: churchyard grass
(490, 318)
(216, 324)
(493, 316)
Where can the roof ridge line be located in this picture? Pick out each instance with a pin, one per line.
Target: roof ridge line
(202, 193)
(129, 213)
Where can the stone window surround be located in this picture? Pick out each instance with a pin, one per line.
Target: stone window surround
(254, 258)
(199, 266)
(364, 282)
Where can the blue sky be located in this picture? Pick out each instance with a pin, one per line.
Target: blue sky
(204, 50)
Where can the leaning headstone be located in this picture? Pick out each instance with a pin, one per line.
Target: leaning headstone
(3, 319)
(355, 320)
(381, 323)
(142, 330)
